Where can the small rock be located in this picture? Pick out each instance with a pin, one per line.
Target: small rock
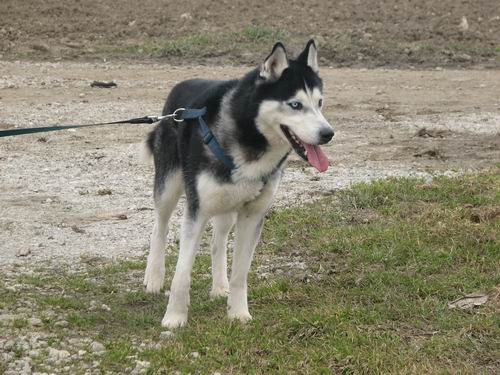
(103, 84)
(56, 354)
(61, 323)
(186, 16)
(462, 57)
(141, 367)
(9, 344)
(34, 353)
(41, 47)
(82, 352)
(23, 252)
(195, 354)
(464, 24)
(166, 335)
(35, 321)
(97, 347)
(6, 318)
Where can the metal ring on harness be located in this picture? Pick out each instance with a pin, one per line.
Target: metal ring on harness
(176, 113)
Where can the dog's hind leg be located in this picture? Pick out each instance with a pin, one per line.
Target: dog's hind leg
(177, 309)
(167, 194)
(222, 225)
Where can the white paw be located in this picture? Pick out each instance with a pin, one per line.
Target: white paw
(174, 320)
(154, 279)
(243, 316)
(219, 291)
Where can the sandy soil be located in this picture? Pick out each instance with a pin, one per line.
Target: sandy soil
(68, 193)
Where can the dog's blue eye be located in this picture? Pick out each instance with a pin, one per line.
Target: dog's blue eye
(295, 105)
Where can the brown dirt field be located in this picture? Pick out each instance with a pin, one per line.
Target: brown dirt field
(350, 33)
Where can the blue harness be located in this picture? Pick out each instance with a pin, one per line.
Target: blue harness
(206, 134)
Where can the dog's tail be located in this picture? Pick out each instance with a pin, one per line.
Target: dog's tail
(148, 147)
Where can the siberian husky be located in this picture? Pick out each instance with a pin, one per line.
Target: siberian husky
(256, 121)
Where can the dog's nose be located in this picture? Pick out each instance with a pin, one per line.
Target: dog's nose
(325, 135)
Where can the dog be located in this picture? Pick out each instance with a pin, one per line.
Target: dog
(256, 122)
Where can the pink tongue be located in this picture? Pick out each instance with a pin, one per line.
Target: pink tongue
(316, 157)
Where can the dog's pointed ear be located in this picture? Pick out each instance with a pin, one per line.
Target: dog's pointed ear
(309, 56)
(275, 63)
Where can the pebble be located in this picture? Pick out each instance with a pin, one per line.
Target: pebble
(34, 353)
(141, 367)
(6, 318)
(35, 322)
(195, 354)
(61, 323)
(97, 347)
(56, 354)
(23, 252)
(166, 335)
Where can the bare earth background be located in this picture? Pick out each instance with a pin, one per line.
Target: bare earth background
(60, 193)
(412, 89)
(350, 33)
(75, 192)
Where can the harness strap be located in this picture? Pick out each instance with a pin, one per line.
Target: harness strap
(206, 134)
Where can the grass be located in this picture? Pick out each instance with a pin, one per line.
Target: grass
(383, 261)
(210, 44)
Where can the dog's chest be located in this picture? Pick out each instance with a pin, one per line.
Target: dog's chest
(216, 198)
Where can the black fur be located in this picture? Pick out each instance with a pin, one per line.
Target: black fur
(179, 145)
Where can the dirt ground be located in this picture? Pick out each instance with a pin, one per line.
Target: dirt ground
(350, 33)
(75, 192)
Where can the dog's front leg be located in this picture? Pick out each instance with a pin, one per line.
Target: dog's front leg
(222, 225)
(248, 229)
(177, 309)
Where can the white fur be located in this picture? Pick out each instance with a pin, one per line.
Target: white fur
(306, 123)
(165, 204)
(245, 201)
(222, 225)
(177, 309)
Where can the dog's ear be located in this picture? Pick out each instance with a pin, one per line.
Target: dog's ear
(309, 56)
(275, 63)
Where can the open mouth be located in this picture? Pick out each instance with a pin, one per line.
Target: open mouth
(313, 154)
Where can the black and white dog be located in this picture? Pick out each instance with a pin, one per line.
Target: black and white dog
(257, 121)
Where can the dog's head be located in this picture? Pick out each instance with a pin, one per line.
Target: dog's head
(291, 98)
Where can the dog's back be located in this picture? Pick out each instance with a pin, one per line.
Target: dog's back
(194, 93)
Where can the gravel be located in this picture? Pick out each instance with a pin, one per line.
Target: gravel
(81, 193)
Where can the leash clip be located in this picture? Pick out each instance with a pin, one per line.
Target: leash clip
(177, 113)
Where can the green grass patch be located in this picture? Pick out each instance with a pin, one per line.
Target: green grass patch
(209, 44)
(382, 262)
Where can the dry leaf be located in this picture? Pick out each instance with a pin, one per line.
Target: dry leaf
(468, 301)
